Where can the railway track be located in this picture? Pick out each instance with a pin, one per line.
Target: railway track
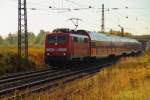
(16, 83)
(11, 77)
(36, 81)
(14, 75)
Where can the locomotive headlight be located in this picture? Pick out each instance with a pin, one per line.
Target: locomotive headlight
(64, 54)
(48, 54)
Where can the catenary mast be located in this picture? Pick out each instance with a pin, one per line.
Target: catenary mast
(22, 32)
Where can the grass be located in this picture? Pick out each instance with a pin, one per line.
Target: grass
(129, 79)
(9, 61)
(126, 80)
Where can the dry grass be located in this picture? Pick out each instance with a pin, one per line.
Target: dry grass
(129, 79)
(36, 54)
(9, 61)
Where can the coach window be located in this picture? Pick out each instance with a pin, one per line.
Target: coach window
(81, 40)
(61, 39)
(51, 39)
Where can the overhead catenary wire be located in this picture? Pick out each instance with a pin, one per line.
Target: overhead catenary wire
(78, 7)
(62, 10)
(73, 2)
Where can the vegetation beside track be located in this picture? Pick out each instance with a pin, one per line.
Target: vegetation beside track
(126, 80)
(9, 61)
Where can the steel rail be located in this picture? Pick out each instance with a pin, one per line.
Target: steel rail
(25, 76)
(21, 73)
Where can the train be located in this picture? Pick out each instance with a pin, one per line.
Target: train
(67, 45)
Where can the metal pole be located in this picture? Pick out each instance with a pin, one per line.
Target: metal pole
(103, 20)
(26, 31)
(22, 33)
(19, 32)
(122, 31)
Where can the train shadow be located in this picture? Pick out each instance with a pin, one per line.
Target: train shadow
(86, 64)
(100, 63)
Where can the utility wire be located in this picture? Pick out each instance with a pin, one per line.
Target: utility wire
(72, 2)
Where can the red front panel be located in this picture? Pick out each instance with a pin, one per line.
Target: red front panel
(57, 44)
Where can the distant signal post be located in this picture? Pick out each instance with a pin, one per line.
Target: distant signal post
(103, 20)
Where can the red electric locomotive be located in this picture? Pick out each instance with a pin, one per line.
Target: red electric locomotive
(63, 45)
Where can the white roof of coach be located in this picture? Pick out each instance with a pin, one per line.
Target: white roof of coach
(99, 36)
(104, 37)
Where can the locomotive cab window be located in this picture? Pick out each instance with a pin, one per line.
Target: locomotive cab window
(61, 39)
(51, 39)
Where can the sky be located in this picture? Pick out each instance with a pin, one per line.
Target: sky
(134, 19)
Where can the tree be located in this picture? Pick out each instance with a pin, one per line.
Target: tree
(11, 39)
(31, 38)
(40, 38)
(1, 40)
(118, 33)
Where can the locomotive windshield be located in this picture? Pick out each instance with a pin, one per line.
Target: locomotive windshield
(60, 39)
(51, 39)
